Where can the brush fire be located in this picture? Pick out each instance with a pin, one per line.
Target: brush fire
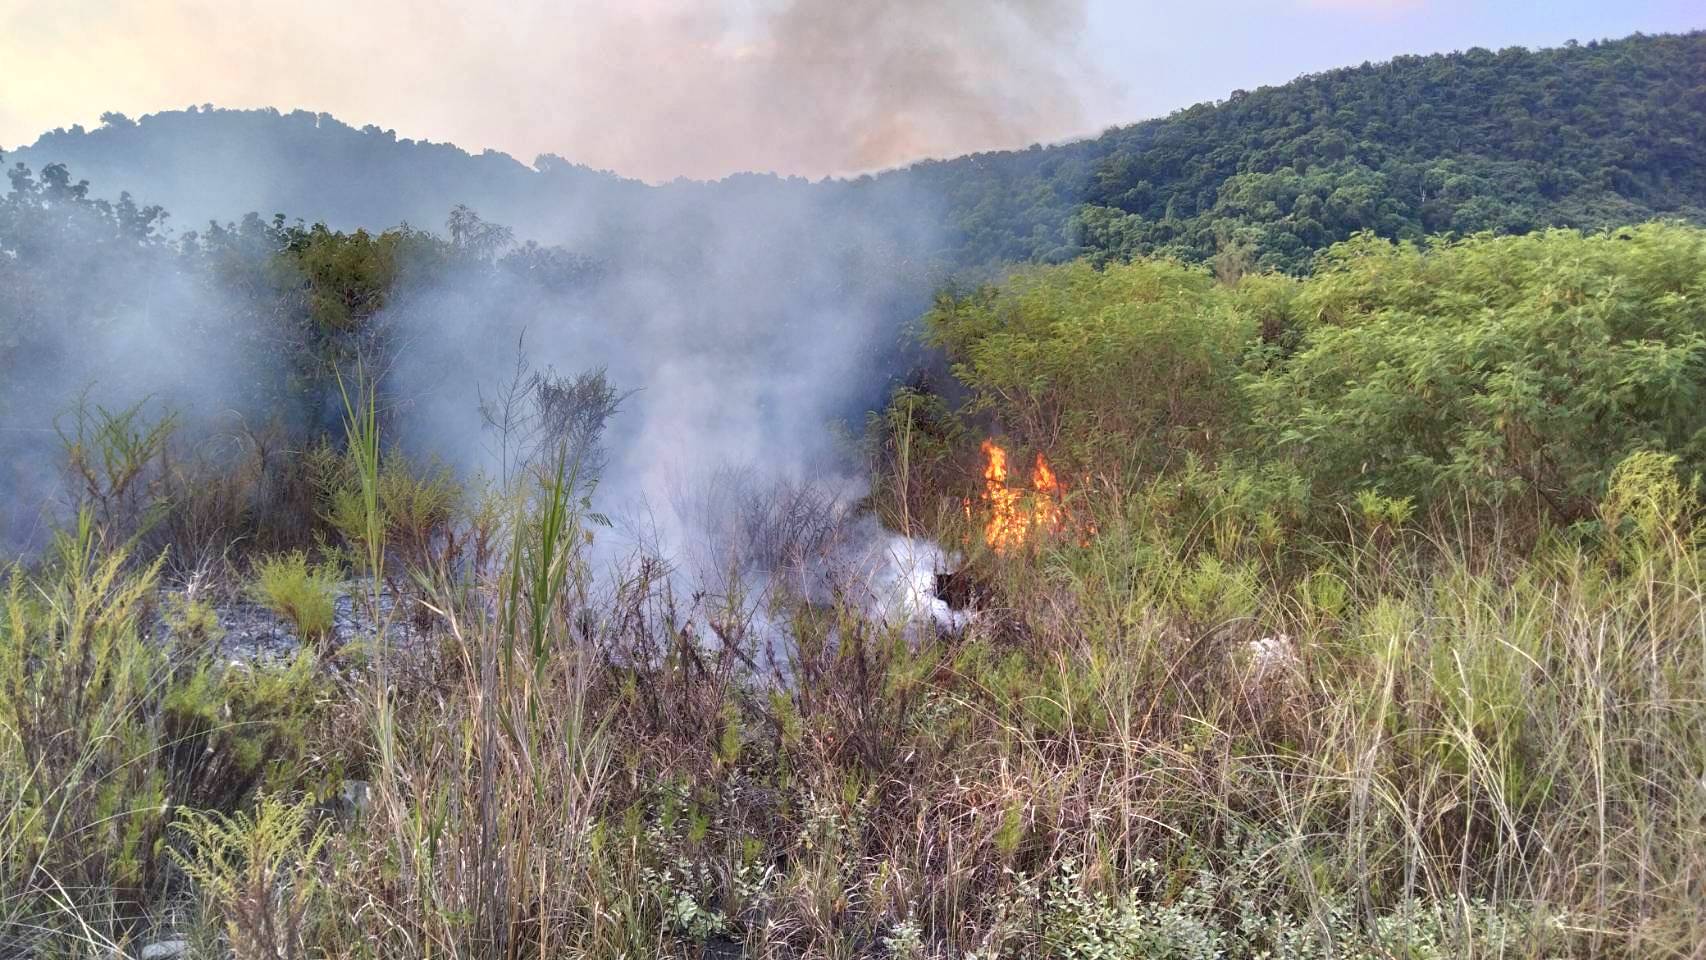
(1013, 515)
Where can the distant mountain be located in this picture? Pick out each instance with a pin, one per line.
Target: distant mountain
(1592, 136)
(1587, 135)
(210, 164)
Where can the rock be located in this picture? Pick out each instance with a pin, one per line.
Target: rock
(1271, 655)
(164, 950)
(251, 634)
(353, 797)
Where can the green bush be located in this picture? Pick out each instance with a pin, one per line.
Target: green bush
(1118, 369)
(258, 874)
(420, 508)
(105, 732)
(301, 593)
(1493, 370)
(235, 728)
(1490, 372)
(81, 768)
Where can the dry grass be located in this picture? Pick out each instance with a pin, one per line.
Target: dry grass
(1456, 752)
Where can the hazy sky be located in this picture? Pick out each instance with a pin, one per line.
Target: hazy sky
(660, 88)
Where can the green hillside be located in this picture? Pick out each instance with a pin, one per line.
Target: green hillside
(1590, 136)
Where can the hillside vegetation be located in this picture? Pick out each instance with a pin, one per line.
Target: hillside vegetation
(1510, 375)
(1591, 136)
(1366, 623)
(1327, 539)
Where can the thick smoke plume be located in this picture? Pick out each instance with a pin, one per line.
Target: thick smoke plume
(653, 88)
(741, 322)
(741, 319)
(829, 86)
(743, 327)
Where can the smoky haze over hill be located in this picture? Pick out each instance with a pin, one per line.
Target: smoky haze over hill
(739, 317)
(740, 321)
(1592, 135)
(653, 88)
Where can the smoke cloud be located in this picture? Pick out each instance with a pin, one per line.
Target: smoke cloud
(94, 316)
(742, 323)
(742, 318)
(651, 88)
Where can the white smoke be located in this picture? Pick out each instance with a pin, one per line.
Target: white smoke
(900, 574)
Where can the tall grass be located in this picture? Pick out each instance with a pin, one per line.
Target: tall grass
(106, 730)
(1192, 735)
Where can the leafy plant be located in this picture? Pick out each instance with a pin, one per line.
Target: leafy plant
(302, 593)
(259, 872)
(115, 456)
(80, 739)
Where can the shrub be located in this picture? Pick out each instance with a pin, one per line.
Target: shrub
(421, 507)
(247, 486)
(114, 459)
(1117, 368)
(303, 594)
(1508, 373)
(80, 766)
(1494, 370)
(235, 728)
(104, 731)
(258, 873)
(424, 519)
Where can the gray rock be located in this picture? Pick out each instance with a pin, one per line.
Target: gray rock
(353, 797)
(1271, 654)
(164, 950)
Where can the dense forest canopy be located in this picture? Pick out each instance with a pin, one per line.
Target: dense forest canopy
(1589, 135)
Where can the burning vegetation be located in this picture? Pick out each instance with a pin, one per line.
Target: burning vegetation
(1015, 515)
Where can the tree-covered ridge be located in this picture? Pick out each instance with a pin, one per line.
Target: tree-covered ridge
(1590, 136)
(205, 163)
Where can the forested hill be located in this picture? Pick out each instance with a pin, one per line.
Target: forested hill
(1588, 135)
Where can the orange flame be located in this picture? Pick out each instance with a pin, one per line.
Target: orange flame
(1013, 514)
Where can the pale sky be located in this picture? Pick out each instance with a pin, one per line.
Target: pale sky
(661, 88)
